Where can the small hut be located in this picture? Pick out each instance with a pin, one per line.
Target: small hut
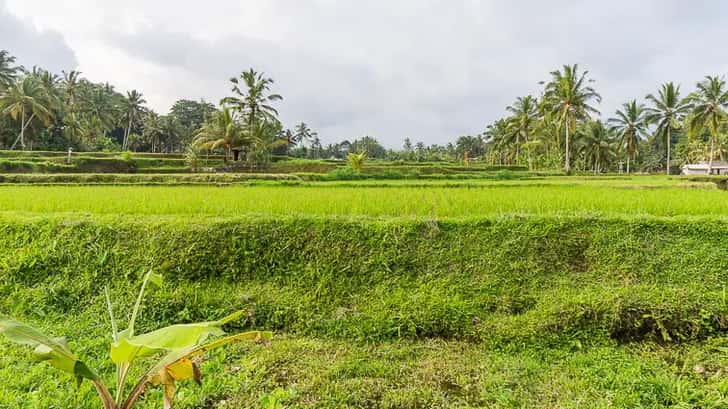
(719, 167)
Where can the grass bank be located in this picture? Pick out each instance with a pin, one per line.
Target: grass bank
(537, 311)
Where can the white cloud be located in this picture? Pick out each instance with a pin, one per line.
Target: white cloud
(430, 70)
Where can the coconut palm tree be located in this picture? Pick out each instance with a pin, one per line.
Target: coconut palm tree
(709, 110)
(524, 120)
(70, 87)
(26, 101)
(265, 138)
(133, 109)
(220, 131)
(498, 139)
(152, 133)
(8, 70)
(253, 99)
(667, 112)
(303, 133)
(631, 127)
(102, 105)
(568, 96)
(597, 146)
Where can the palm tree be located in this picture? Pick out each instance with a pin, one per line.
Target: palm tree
(303, 133)
(8, 71)
(667, 110)
(597, 146)
(568, 96)
(25, 101)
(253, 102)
(220, 130)
(133, 108)
(710, 103)
(266, 136)
(500, 140)
(524, 120)
(70, 85)
(152, 133)
(101, 104)
(631, 127)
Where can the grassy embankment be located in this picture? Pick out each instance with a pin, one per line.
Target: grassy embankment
(392, 297)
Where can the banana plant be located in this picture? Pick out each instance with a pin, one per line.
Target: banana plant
(356, 160)
(180, 348)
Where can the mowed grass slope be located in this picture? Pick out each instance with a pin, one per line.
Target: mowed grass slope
(362, 200)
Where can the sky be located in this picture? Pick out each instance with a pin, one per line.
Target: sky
(429, 70)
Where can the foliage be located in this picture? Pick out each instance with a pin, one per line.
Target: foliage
(666, 112)
(180, 345)
(709, 111)
(356, 160)
(568, 97)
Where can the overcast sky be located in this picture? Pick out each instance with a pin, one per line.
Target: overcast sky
(428, 70)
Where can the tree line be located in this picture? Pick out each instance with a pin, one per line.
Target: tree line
(654, 133)
(560, 128)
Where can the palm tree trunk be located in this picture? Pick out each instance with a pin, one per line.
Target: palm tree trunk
(628, 163)
(125, 143)
(528, 151)
(23, 126)
(567, 164)
(712, 152)
(667, 171)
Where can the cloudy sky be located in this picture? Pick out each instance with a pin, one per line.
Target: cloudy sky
(426, 69)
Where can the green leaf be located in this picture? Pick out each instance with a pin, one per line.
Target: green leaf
(172, 338)
(178, 365)
(55, 351)
(156, 279)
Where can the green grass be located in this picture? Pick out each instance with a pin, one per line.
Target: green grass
(318, 373)
(339, 200)
(526, 312)
(574, 292)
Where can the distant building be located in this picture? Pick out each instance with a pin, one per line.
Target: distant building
(719, 167)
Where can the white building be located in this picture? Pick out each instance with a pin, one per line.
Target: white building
(701, 168)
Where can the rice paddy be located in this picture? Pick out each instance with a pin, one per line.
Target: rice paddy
(395, 200)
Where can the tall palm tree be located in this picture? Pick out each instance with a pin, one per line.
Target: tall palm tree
(252, 98)
(152, 133)
(631, 127)
(25, 101)
(709, 110)
(70, 87)
(568, 95)
(524, 120)
(8, 70)
(667, 111)
(303, 133)
(101, 104)
(133, 108)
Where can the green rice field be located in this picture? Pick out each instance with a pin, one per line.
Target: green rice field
(375, 201)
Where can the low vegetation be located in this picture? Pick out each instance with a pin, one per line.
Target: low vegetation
(368, 201)
(180, 348)
(633, 306)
